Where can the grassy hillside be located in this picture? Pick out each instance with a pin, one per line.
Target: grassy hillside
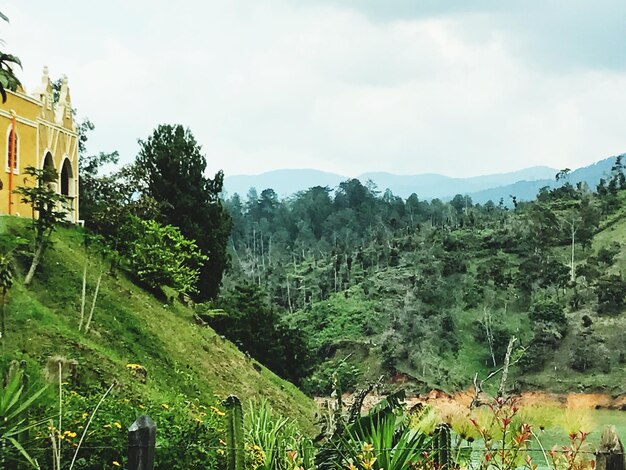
(130, 326)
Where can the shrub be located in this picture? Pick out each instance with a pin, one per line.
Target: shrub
(321, 381)
(159, 255)
(611, 292)
(590, 353)
(548, 311)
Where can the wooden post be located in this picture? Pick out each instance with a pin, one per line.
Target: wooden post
(610, 455)
(141, 444)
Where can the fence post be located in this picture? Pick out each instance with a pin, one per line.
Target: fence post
(141, 443)
(610, 455)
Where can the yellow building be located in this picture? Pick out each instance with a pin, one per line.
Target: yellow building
(45, 135)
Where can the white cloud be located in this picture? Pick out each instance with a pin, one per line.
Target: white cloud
(277, 84)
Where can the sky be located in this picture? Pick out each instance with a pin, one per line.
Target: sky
(461, 88)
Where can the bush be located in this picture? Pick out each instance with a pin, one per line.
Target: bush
(590, 353)
(159, 255)
(548, 311)
(321, 381)
(611, 292)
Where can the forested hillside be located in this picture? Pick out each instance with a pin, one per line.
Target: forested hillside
(429, 292)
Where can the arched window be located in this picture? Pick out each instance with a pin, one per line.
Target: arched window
(13, 150)
(66, 178)
(48, 161)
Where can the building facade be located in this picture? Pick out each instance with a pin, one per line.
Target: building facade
(38, 130)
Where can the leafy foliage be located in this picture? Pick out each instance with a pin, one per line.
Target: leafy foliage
(161, 256)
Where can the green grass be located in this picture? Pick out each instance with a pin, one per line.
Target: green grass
(130, 325)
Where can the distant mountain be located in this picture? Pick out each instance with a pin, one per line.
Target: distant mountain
(527, 190)
(426, 186)
(284, 182)
(523, 184)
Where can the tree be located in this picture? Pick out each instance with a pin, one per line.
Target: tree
(548, 311)
(172, 169)
(8, 79)
(618, 179)
(256, 327)
(563, 174)
(48, 211)
(94, 188)
(549, 327)
(611, 292)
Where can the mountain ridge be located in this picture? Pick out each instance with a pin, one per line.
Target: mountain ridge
(523, 184)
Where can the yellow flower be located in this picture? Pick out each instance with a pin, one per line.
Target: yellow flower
(134, 366)
(217, 411)
(117, 425)
(85, 414)
(116, 463)
(165, 406)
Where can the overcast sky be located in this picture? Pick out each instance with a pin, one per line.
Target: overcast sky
(406, 86)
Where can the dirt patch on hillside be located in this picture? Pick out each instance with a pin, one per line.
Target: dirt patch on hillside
(587, 401)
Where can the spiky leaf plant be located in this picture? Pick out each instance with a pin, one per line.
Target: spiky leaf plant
(15, 401)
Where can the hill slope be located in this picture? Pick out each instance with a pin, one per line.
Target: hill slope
(130, 326)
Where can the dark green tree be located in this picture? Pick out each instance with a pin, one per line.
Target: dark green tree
(611, 292)
(173, 172)
(257, 328)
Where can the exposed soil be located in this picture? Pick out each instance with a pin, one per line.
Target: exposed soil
(570, 400)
